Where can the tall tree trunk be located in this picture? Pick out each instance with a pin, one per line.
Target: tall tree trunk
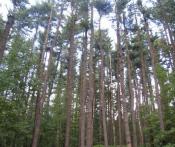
(132, 102)
(83, 92)
(50, 66)
(61, 105)
(150, 89)
(167, 27)
(82, 105)
(131, 92)
(153, 61)
(137, 94)
(70, 75)
(143, 66)
(121, 81)
(90, 99)
(111, 128)
(118, 107)
(4, 39)
(42, 92)
(119, 117)
(101, 89)
(172, 45)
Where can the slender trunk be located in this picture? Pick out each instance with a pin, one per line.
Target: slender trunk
(61, 105)
(122, 86)
(4, 39)
(82, 105)
(150, 89)
(172, 45)
(90, 99)
(170, 34)
(153, 61)
(132, 102)
(144, 83)
(102, 100)
(101, 90)
(118, 98)
(42, 92)
(111, 127)
(130, 86)
(143, 67)
(113, 140)
(50, 66)
(137, 93)
(83, 92)
(70, 74)
(118, 107)
(119, 116)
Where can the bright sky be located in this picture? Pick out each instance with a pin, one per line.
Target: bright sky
(5, 5)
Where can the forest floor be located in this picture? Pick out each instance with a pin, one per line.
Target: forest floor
(109, 146)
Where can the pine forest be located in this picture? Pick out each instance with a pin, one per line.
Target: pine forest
(87, 73)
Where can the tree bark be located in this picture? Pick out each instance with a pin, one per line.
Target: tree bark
(121, 84)
(172, 45)
(132, 102)
(153, 61)
(70, 74)
(131, 92)
(4, 39)
(101, 90)
(167, 27)
(143, 67)
(90, 99)
(83, 92)
(137, 93)
(111, 125)
(43, 76)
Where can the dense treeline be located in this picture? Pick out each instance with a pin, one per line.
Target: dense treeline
(64, 84)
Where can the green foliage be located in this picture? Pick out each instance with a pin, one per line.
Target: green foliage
(169, 145)
(16, 64)
(20, 82)
(162, 138)
(121, 5)
(103, 7)
(165, 138)
(167, 6)
(106, 41)
(14, 123)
